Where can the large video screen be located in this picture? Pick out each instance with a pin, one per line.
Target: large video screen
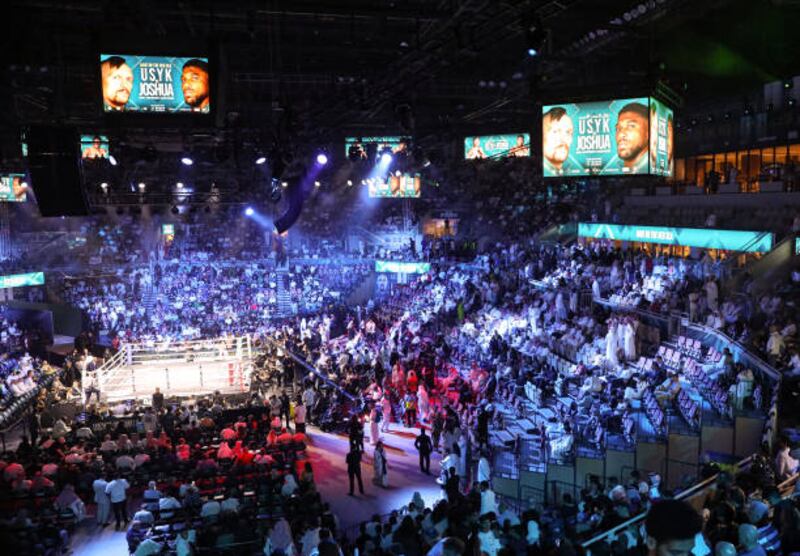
(94, 146)
(370, 147)
(155, 84)
(662, 138)
(402, 186)
(13, 188)
(20, 280)
(611, 138)
(497, 146)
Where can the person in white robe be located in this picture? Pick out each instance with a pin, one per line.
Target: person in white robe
(611, 344)
(629, 341)
(374, 434)
(423, 402)
(380, 475)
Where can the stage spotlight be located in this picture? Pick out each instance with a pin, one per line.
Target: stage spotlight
(349, 183)
(179, 185)
(112, 160)
(322, 159)
(104, 187)
(363, 182)
(142, 186)
(284, 184)
(249, 211)
(535, 34)
(261, 160)
(187, 161)
(317, 184)
(386, 158)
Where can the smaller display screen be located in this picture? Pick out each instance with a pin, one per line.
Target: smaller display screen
(94, 146)
(402, 186)
(400, 267)
(168, 229)
(13, 188)
(497, 146)
(370, 147)
(20, 280)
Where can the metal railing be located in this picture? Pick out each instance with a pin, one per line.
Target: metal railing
(687, 494)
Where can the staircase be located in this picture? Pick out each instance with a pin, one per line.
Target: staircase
(149, 298)
(283, 295)
(150, 291)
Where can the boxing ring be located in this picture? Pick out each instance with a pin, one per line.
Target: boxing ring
(188, 368)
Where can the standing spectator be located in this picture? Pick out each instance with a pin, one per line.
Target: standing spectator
(309, 397)
(158, 400)
(117, 491)
(380, 477)
(300, 416)
(424, 446)
(354, 468)
(102, 500)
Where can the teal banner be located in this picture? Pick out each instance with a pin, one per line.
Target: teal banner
(398, 267)
(497, 146)
(20, 280)
(13, 189)
(607, 138)
(729, 240)
(155, 84)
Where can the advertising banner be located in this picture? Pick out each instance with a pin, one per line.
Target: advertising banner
(20, 280)
(402, 267)
(497, 146)
(599, 138)
(155, 84)
(729, 240)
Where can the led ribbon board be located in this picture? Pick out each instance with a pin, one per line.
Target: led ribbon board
(398, 267)
(728, 240)
(20, 280)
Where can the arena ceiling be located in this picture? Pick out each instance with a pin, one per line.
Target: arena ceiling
(313, 71)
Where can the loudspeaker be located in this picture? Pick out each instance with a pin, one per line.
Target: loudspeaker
(54, 164)
(296, 197)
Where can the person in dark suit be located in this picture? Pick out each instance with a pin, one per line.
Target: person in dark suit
(354, 468)
(424, 445)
